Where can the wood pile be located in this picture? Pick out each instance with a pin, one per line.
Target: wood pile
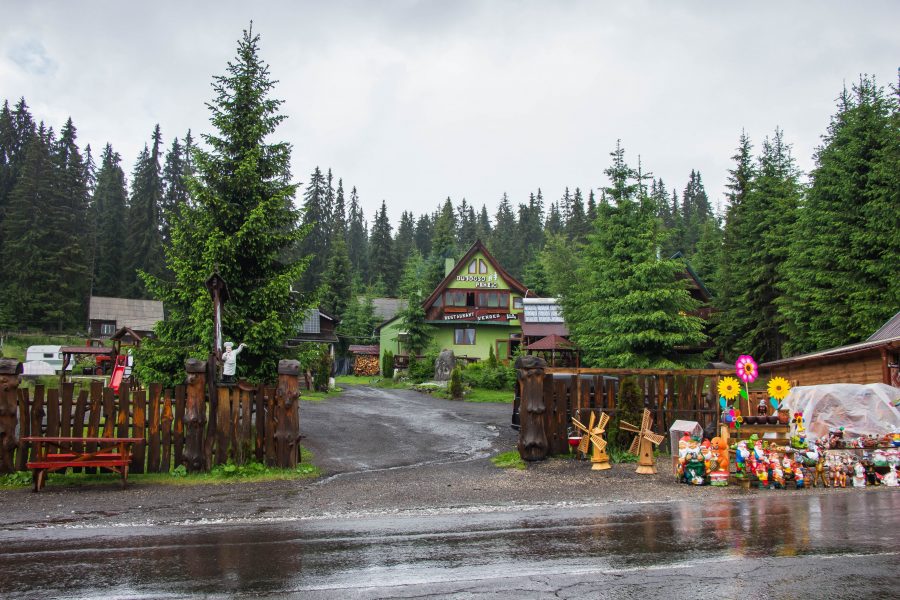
(367, 365)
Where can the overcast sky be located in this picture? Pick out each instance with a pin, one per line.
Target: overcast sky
(412, 101)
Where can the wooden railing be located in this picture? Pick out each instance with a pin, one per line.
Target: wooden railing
(181, 425)
(549, 398)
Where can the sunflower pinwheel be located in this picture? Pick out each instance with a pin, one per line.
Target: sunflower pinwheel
(746, 368)
(729, 388)
(779, 388)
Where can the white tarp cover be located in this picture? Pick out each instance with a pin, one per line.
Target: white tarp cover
(860, 409)
(38, 367)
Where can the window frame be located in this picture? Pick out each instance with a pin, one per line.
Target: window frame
(456, 336)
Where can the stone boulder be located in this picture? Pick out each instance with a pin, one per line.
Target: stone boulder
(443, 366)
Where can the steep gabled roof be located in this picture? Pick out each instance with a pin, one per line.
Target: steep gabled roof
(140, 315)
(514, 284)
(889, 330)
(692, 275)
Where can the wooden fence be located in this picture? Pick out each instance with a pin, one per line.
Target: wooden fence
(549, 398)
(195, 424)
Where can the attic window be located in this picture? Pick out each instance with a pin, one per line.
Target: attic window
(478, 266)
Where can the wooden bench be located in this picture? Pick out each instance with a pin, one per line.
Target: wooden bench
(113, 454)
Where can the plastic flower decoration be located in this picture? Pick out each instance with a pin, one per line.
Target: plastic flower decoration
(779, 388)
(746, 368)
(729, 388)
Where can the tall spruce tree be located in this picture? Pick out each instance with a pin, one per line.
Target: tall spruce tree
(241, 223)
(175, 192)
(413, 290)
(338, 281)
(731, 320)
(110, 212)
(316, 220)
(382, 261)
(627, 306)
(841, 276)
(339, 213)
(144, 242)
(424, 229)
(443, 244)
(405, 242)
(504, 237)
(483, 225)
(577, 226)
(358, 238)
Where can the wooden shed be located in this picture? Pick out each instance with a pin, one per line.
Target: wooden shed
(872, 361)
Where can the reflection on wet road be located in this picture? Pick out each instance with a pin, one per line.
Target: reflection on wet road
(818, 545)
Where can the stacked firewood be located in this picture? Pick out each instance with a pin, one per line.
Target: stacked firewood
(367, 365)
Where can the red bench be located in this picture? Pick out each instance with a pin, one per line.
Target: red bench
(113, 454)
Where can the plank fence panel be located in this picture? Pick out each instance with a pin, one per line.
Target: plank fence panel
(178, 425)
(153, 437)
(53, 412)
(109, 412)
(260, 423)
(24, 428)
(223, 425)
(270, 426)
(124, 410)
(246, 425)
(77, 429)
(65, 412)
(165, 460)
(139, 430)
(95, 413)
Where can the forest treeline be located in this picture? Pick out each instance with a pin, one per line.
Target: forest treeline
(792, 267)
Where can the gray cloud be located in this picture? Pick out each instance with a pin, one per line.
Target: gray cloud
(31, 56)
(416, 101)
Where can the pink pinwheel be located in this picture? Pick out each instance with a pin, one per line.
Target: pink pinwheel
(746, 368)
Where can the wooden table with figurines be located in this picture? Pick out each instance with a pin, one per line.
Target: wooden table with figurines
(770, 450)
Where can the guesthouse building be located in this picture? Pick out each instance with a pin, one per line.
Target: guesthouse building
(476, 307)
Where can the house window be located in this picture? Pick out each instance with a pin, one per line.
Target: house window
(464, 337)
(493, 299)
(517, 303)
(107, 328)
(473, 267)
(477, 266)
(454, 298)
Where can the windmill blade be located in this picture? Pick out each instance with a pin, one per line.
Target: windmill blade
(635, 444)
(599, 443)
(654, 437)
(584, 443)
(593, 418)
(645, 421)
(628, 427)
(579, 425)
(604, 419)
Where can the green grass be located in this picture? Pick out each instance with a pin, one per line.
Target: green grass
(509, 460)
(222, 474)
(482, 395)
(354, 380)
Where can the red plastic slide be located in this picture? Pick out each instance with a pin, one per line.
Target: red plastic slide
(118, 372)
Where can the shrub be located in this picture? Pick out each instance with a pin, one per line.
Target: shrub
(323, 369)
(387, 364)
(482, 375)
(421, 370)
(491, 359)
(456, 384)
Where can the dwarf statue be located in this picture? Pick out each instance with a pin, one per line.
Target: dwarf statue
(229, 361)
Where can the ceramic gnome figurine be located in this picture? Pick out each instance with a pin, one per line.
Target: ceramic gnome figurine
(890, 479)
(859, 475)
(229, 361)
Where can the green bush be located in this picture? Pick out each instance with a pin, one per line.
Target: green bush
(456, 384)
(387, 364)
(482, 375)
(323, 369)
(421, 371)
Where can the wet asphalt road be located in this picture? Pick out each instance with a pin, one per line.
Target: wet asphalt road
(389, 448)
(775, 546)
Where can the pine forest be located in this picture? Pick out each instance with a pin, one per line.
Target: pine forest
(794, 261)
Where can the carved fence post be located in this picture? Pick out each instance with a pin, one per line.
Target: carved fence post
(287, 414)
(10, 370)
(533, 444)
(195, 415)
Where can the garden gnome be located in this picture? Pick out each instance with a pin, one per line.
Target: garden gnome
(229, 361)
(859, 475)
(890, 480)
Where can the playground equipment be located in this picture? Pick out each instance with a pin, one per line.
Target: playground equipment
(118, 373)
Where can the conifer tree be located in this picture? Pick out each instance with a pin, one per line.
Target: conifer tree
(358, 238)
(504, 241)
(382, 263)
(465, 225)
(626, 306)
(359, 322)
(405, 242)
(240, 223)
(418, 332)
(316, 221)
(175, 192)
(591, 210)
(424, 227)
(554, 224)
(483, 225)
(144, 241)
(90, 171)
(578, 227)
(339, 213)
(841, 276)
(338, 279)
(443, 244)
(110, 211)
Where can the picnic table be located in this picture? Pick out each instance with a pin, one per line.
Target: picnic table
(113, 453)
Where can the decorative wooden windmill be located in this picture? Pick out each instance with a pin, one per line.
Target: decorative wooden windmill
(643, 443)
(594, 436)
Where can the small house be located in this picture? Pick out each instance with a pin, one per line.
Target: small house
(108, 315)
(876, 360)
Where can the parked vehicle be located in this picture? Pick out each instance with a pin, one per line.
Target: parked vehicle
(51, 355)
